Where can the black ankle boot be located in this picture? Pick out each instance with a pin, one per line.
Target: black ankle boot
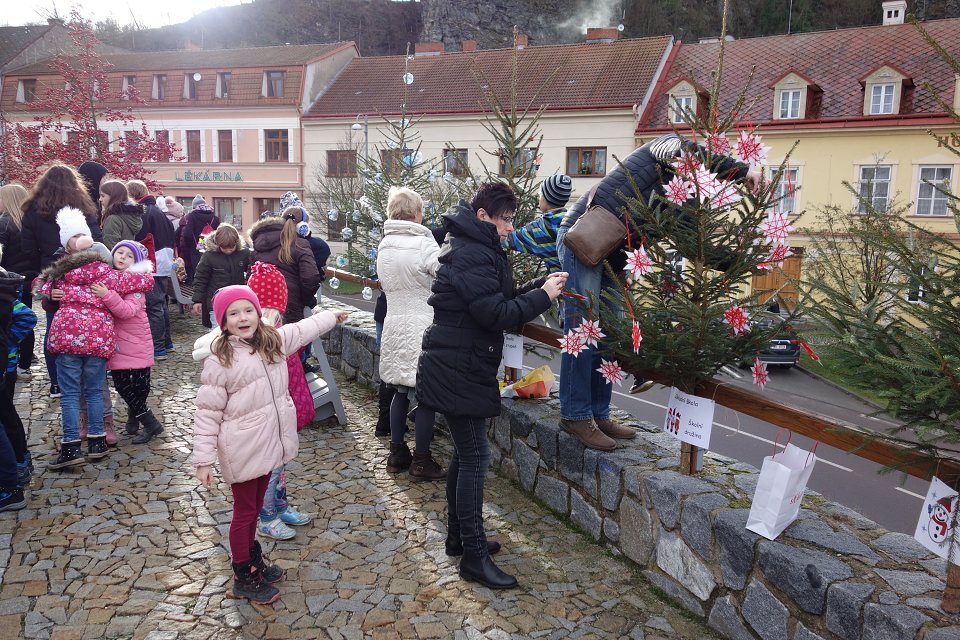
(249, 583)
(483, 570)
(133, 425)
(399, 458)
(271, 572)
(151, 427)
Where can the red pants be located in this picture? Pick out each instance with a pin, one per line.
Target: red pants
(247, 502)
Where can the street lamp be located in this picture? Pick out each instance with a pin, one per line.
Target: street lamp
(357, 126)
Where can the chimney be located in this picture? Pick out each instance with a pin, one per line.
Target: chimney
(604, 35)
(522, 41)
(55, 22)
(469, 45)
(428, 48)
(893, 12)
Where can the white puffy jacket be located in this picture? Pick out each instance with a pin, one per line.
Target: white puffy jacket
(407, 263)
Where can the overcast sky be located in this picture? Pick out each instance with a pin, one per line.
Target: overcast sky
(152, 13)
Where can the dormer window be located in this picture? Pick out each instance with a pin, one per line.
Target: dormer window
(881, 99)
(795, 97)
(191, 86)
(159, 86)
(27, 90)
(886, 91)
(129, 84)
(273, 83)
(223, 84)
(683, 103)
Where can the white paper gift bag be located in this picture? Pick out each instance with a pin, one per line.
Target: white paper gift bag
(783, 479)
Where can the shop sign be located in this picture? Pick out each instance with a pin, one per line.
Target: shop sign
(208, 176)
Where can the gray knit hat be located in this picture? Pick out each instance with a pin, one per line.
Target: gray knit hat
(556, 190)
(198, 200)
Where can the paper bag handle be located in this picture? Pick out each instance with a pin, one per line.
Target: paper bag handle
(777, 437)
(812, 452)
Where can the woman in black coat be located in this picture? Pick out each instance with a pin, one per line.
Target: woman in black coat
(474, 300)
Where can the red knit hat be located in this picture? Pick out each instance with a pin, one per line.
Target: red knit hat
(268, 283)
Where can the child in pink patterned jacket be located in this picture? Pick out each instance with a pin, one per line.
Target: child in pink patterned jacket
(130, 365)
(82, 335)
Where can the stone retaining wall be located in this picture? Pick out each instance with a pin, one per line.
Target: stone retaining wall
(832, 574)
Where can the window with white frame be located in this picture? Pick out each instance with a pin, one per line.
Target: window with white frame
(223, 84)
(681, 109)
(27, 90)
(932, 190)
(160, 86)
(915, 288)
(273, 83)
(785, 196)
(790, 104)
(191, 86)
(881, 99)
(873, 188)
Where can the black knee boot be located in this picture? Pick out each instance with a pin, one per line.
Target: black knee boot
(383, 420)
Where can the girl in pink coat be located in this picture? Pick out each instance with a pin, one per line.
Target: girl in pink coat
(246, 420)
(131, 362)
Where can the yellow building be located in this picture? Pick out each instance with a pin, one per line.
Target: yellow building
(855, 103)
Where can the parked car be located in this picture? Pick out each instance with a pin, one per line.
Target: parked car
(783, 350)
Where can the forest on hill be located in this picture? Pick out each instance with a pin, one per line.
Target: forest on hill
(385, 27)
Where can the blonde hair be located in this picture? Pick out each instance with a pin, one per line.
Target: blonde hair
(403, 203)
(12, 197)
(117, 191)
(291, 217)
(265, 341)
(227, 235)
(272, 317)
(137, 189)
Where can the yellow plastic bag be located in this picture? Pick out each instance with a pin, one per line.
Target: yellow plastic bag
(536, 384)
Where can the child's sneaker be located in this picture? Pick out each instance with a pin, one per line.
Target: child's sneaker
(160, 355)
(55, 391)
(97, 447)
(24, 473)
(294, 517)
(70, 454)
(276, 529)
(11, 499)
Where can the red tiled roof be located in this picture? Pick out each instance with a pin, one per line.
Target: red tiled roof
(206, 59)
(598, 76)
(833, 60)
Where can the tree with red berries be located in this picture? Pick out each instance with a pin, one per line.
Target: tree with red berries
(68, 120)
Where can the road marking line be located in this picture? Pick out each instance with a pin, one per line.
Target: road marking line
(875, 419)
(910, 493)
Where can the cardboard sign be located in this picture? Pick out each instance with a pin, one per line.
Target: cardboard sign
(936, 528)
(689, 418)
(512, 350)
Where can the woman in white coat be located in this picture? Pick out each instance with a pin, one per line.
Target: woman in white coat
(407, 263)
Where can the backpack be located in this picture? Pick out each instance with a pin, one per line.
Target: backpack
(207, 230)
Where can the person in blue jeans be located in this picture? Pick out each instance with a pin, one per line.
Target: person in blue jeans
(584, 394)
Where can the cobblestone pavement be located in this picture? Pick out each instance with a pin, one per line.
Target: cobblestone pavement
(132, 547)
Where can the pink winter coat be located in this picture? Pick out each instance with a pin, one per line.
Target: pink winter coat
(134, 340)
(82, 325)
(245, 417)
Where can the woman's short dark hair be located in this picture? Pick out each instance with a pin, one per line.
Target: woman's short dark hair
(496, 198)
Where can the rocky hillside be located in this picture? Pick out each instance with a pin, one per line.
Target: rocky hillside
(384, 27)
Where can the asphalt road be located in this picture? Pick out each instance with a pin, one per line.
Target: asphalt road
(892, 499)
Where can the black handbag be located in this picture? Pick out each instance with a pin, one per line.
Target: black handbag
(596, 234)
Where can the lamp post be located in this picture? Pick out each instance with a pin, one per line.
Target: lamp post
(357, 126)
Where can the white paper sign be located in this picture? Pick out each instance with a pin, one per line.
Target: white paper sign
(512, 350)
(689, 418)
(935, 528)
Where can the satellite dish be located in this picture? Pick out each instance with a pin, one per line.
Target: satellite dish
(196, 77)
(620, 27)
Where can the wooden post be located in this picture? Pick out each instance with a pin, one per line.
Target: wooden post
(509, 375)
(691, 459)
(951, 593)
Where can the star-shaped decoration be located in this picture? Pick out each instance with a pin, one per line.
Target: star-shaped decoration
(637, 338)
(737, 319)
(678, 190)
(590, 332)
(751, 149)
(571, 343)
(778, 254)
(638, 262)
(760, 375)
(611, 371)
(776, 228)
(726, 197)
(718, 144)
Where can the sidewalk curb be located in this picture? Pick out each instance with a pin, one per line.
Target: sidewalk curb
(831, 383)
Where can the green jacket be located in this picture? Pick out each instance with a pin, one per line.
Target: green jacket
(123, 223)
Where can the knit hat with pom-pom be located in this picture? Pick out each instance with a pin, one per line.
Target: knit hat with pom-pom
(268, 283)
(72, 223)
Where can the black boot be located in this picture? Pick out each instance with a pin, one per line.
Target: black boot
(133, 425)
(454, 545)
(483, 570)
(151, 427)
(70, 454)
(425, 468)
(248, 582)
(97, 447)
(383, 420)
(271, 572)
(399, 458)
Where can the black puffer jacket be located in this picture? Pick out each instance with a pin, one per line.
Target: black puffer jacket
(474, 300)
(155, 222)
(302, 276)
(14, 259)
(194, 224)
(215, 271)
(40, 238)
(643, 173)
